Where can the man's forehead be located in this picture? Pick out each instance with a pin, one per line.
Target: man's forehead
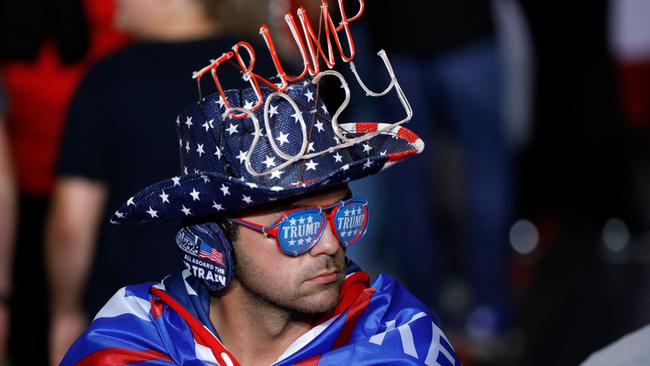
(318, 198)
(322, 197)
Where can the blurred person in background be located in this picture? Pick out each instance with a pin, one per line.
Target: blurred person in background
(7, 225)
(629, 46)
(45, 48)
(117, 138)
(449, 63)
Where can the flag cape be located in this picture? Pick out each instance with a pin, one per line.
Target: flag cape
(168, 323)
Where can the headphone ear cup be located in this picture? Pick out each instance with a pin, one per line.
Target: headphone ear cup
(207, 254)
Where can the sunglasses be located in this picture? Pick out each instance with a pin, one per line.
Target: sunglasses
(298, 230)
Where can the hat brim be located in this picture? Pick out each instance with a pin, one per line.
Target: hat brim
(208, 193)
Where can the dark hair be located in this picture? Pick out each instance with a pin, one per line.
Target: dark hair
(230, 230)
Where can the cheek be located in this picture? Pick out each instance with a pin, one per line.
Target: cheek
(263, 256)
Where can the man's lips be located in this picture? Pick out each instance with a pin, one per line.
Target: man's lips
(325, 277)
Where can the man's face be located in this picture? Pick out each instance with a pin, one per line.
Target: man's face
(306, 284)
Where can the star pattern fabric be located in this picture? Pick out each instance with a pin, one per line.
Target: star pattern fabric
(214, 152)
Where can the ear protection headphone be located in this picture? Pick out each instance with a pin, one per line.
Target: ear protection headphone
(207, 254)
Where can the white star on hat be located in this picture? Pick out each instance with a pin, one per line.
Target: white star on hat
(246, 199)
(319, 126)
(177, 181)
(296, 116)
(325, 109)
(311, 165)
(217, 206)
(152, 212)
(164, 196)
(187, 146)
(199, 149)
(283, 138)
(232, 129)
(221, 102)
(205, 178)
(367, 148)
(260, 133)
(241, 156)
(178, 121)
(309, 95)
(338, 158)
(345, 167)
(248, 105)
(119, 214)
(130, 202)
(189, 122)
(367, 164)
(195, 195)
(273, 110)
(310, 147)
(276, 174)
(224, 189)
(269, 161)
(218, 153)
(186, 211)
(208, 125)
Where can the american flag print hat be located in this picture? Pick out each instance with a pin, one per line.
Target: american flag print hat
(291, 146)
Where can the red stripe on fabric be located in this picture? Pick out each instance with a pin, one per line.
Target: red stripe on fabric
(350, 291)
(366, 127)
(407, 134)
(201, 334)
(121, 356)
(401, 155)
(354, 313)
(157, 307)
(309, 362)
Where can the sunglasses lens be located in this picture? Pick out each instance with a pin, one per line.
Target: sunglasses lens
(300, 231)
(351, 221)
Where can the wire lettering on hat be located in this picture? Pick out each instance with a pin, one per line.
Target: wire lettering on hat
(339, 129)
(310, 59)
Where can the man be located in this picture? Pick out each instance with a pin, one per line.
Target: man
(267, 220)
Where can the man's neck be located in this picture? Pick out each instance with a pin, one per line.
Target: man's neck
(253, 330)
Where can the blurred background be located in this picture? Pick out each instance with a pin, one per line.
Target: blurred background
(525, 224)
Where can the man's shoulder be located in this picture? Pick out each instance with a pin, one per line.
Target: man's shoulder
(402, 324)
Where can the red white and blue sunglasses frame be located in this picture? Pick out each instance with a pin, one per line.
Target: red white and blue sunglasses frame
(327, 213)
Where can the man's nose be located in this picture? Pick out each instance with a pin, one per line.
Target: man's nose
(328, 243)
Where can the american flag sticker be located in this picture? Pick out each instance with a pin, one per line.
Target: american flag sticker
(211, 254)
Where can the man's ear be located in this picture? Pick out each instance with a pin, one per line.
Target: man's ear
(207, 254)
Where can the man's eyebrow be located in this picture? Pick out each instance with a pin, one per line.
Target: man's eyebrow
(297, 204)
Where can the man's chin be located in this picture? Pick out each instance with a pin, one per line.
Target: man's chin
(322, 299)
